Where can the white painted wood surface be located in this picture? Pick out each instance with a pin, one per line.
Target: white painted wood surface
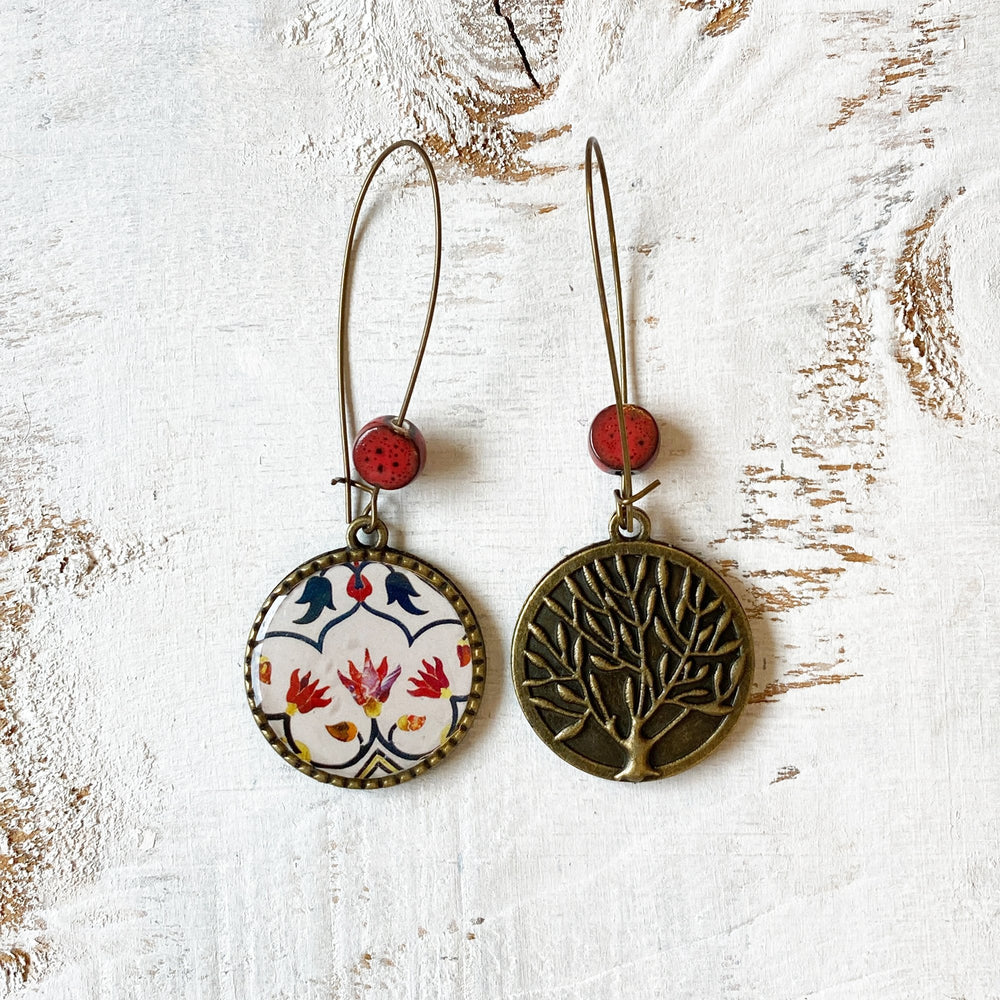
(807, 201)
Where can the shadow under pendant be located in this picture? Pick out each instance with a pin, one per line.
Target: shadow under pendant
(364, 667)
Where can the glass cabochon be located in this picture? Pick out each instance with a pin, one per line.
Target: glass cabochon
(364, 668)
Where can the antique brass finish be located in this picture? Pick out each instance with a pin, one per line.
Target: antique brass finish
(618, 360)
(371, 511)
(616, 526)
(369, 526)
(436, 579)
(632, 660)
(326, 635)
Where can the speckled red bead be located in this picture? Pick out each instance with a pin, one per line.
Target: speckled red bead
(388, 456)
(641, 432)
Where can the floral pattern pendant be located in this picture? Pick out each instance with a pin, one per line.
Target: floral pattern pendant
(364, 667)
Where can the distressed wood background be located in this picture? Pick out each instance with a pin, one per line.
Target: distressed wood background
(807, 198)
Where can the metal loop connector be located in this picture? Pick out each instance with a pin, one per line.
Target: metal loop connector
(370, 513)
(625, 507)
(618, 531)
(366, 525)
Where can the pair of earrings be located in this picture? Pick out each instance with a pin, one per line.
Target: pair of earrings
(631, 659)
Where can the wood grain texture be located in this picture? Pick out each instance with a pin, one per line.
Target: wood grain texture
(457, 75)
(806, 204)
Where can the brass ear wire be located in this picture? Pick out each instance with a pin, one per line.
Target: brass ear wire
(303, 652)
(369, 521)
(631, 659)
(625, 499)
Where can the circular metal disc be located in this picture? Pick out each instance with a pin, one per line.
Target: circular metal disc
(632, 659)
(364, 667)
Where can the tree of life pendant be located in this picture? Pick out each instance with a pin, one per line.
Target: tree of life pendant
(364, 667)
(632, 659)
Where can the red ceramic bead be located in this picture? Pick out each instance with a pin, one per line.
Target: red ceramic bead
(389, 456)
(641, 432)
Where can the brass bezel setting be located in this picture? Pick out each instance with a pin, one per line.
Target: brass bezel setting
(439, 581)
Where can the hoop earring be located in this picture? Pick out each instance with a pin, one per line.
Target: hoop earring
(365, 666)
(631, 659)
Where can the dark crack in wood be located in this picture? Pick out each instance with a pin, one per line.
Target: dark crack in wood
(517, 44)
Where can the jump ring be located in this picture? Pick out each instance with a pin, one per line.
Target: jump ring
(365, 524)
(617, 523)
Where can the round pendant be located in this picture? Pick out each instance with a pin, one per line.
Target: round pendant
(364, 667)
(632, 659)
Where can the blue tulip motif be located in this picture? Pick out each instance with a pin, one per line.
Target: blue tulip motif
(399, 590)
(318, 594)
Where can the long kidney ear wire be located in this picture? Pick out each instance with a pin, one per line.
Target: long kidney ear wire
(369, 522)
(625, 510)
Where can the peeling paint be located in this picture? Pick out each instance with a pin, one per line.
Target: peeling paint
(928, 347)
(786, 773)
(460, 81)
(40, 805)
(208, 238)
(771, 691)
(809, 499)
(809, 673)
(816, 489)
(904, 81)
(727, 15)
(49, 800)
(787, 589)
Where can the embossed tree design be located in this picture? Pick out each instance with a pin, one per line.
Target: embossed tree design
(627, 648)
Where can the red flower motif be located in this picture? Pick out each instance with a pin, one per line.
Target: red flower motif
(305, 695)
(370, 686)
(264, 670)
(359, 587)
(432, 682)
(464, 655)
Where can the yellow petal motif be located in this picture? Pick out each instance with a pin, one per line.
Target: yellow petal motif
(411, 723)
(343, 731)
(373, 708)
